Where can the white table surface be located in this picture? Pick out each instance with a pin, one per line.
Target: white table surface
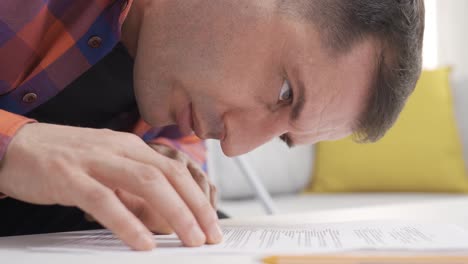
(448, 210)
(287, 204)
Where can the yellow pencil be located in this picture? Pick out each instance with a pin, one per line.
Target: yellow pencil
(367, 259)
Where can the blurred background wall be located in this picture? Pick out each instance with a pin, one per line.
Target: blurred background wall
(446, 43)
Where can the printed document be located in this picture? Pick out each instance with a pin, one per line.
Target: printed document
(284, 239)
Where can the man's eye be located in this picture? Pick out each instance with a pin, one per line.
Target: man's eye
(286, 94)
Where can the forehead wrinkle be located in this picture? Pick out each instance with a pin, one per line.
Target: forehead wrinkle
(315, 129)
(322, 119)
(333, 123)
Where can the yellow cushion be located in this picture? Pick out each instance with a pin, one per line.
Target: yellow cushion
(421, 153)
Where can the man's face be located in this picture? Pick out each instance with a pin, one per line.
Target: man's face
(222, 69)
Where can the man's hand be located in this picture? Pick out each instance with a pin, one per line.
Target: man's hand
(139, 207)
(101, 172)
(200, 177)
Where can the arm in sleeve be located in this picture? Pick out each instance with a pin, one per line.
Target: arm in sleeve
(9, 124)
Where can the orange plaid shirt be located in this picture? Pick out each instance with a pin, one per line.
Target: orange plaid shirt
(46, 44)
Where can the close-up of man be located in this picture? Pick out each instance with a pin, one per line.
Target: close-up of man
(104, 105)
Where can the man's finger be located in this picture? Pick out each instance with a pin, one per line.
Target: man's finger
(214, 196)
(168, 152)
(151, 184)
(196, 200)
(106, 208)
(141, 209)
(200, 178)
(214, 234)
(198, 174)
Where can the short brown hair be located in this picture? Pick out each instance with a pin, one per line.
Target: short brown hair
(398, 25)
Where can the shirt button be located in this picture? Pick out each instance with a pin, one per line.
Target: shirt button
(94, 42)
(30, 98)
(124, 5)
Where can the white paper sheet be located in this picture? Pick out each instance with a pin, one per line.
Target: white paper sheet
(317, 238)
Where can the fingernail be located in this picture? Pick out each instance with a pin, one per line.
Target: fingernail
(197, 238)
(216, 234)
(145, 242)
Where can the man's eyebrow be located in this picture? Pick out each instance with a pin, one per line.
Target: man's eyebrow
(298, 108)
